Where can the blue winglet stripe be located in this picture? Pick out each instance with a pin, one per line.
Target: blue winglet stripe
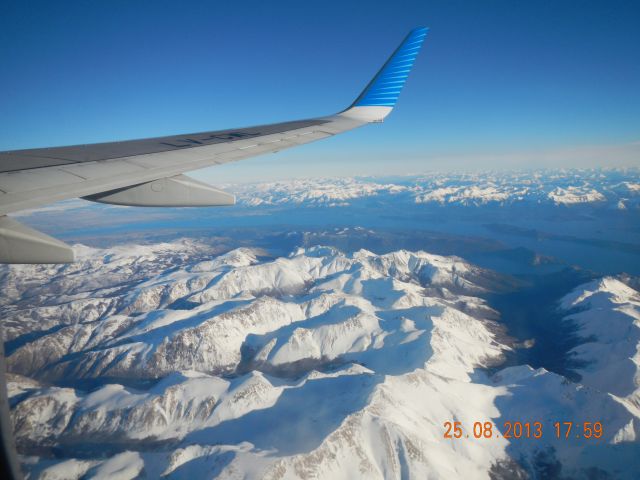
(384, 89)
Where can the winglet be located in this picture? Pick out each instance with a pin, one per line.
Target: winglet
(379, 97)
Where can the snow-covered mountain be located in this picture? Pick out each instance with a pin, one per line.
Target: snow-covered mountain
(172, 360)
(37, 298)
(607, 314)
(600, 188)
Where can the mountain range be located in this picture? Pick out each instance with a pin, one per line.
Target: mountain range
(175, 360)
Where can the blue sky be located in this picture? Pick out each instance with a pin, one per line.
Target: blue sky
(499, 84)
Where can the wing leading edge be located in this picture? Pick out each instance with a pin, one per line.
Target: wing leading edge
(148, 172)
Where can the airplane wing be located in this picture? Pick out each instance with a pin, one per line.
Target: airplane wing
(148, 172)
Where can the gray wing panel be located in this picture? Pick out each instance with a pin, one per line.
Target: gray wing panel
(75, 177)
(17, 160)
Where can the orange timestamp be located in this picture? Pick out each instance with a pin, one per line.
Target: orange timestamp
(518, 430)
